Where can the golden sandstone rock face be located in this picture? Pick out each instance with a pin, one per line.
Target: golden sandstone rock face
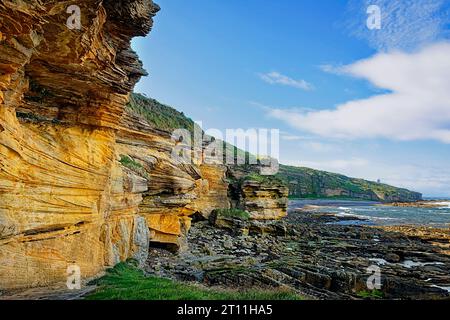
(264, 201)
(63, 197)
(264, 197)
(174, 190)
(84, 180)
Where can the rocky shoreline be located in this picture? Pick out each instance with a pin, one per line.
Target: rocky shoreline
(418, 204)
(312, 255)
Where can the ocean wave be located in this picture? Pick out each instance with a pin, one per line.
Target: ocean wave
(443, 288)
(345, 214)
(445, 213)
(387, 218)
(369, 209)
(411, 264)
(444, 204)
(362, 216)
(390, 216)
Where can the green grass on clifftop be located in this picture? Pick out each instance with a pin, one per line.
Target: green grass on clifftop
(158, 115)
(127, 282)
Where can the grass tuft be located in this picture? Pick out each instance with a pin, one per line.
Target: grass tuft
(233, 213)
(371, 294)
(133, 165)
(126, 282)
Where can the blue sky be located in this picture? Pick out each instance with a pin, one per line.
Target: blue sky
(344, 97)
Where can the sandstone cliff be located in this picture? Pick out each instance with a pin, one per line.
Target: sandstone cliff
(264, 197)
(64, 199)
(86, 175)
(171, 190)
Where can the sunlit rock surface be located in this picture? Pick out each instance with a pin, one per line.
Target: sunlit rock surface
(85, 180)
(64, 199)
(264, 197)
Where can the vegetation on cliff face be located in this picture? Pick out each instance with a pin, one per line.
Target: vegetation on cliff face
(133, 165)
(166, 118)
(267, 180)
(310, 183)
(130, 163)
(127, 282)
(160, 116)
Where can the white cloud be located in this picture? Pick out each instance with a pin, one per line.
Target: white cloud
(405, 24)
(330, 68)
(417, 108)
(278, 78)
(292, 137)
(320, 147)
(431, 181)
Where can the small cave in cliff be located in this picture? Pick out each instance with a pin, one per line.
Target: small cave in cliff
(234, 194)
(170, 247)
(197, 217)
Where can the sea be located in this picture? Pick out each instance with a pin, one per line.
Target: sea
(373, 213)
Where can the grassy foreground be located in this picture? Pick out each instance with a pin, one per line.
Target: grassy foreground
(127, 282)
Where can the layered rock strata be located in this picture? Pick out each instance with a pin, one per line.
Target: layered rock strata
(86, 181)
(171, 190)
(64, 199)
(264, 201)
(264, 197)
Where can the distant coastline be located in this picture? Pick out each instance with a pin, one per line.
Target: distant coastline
(434, 213)
(328, 198)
